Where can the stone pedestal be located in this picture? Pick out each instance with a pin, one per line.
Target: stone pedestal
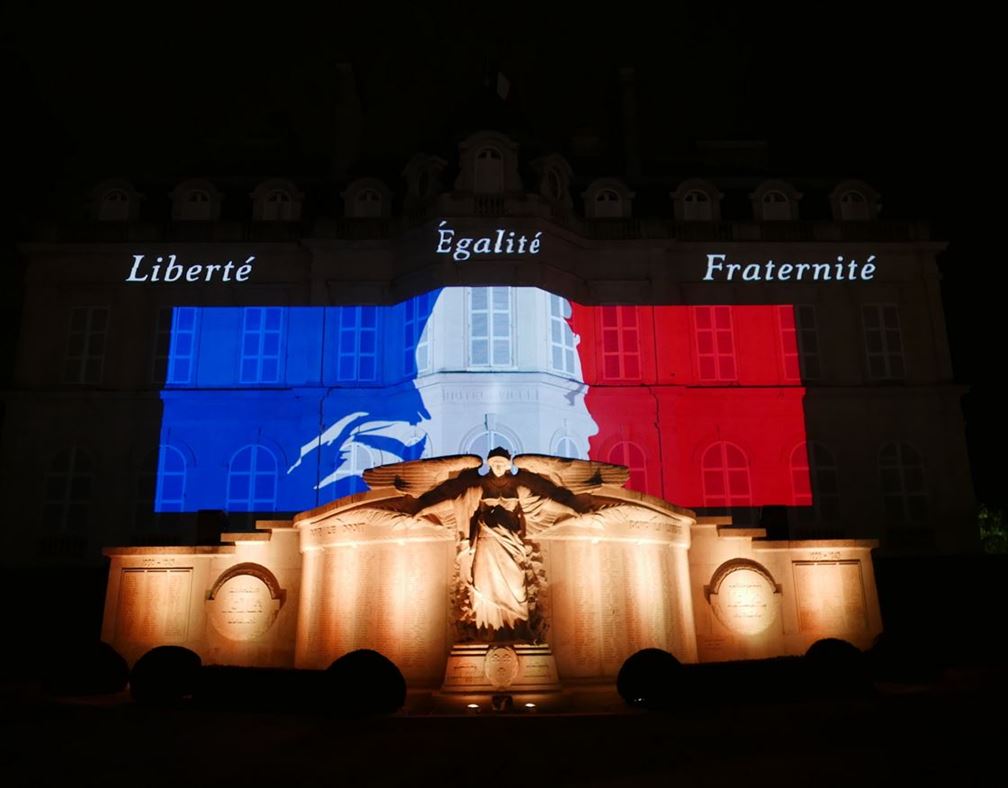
(500, 668)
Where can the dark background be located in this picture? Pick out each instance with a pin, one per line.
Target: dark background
(901, 98)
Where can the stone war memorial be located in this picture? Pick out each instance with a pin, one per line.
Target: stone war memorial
(531, 576)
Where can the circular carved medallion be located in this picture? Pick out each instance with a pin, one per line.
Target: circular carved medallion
(744, 600)
(243, 608)
(501, 666)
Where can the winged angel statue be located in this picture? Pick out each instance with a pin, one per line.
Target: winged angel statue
(497, 517)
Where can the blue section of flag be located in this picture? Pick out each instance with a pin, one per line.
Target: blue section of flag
(279, 409)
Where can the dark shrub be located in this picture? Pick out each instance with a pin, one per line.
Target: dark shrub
(165, 674)
(365, 682)
(836, 667)
(651, 679)
(92, 668)
(261, 689)
(903, 660)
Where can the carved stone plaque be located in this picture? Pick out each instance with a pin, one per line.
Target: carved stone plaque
(501, 666)
(243, 608)
(743, 599)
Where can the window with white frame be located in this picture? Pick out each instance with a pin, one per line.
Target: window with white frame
(416, 336)
(725, 475)
(883, 342)
(182, 357)
(358, 344)
(620, 342)
(86, 344)
(262, 335)
(252, 480)
(901, 472)
(563, 355)
(715, 343)
(490, 328)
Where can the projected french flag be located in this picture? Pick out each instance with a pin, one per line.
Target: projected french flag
(281, 409)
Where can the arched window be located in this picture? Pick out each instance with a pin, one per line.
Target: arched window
(608, 205)
(171, 479)
(490, 327)
(725, 473)
(277, 206)
(854, 206)
(67, 492)
(252, 480)
(901, 472)
(488, 174)
(631, 455)
(369, 204)
(362, 458)
(196, 206)
(160, 485)
(697, 206)
(776, 207)
(482, 443)
(114, 207)
(566, 447)
(815, 484)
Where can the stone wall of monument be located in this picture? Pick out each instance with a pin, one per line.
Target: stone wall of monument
(754, 599)
(233, 604)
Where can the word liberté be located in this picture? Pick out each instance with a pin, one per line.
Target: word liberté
(190, 272)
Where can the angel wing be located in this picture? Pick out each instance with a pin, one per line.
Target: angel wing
(578, 476)
(418, 476)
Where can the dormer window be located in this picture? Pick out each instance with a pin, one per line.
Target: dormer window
(489, 172)
(276, 200)
(114, 207)
(853, 206)
(277, 207)
(854, 201)
(369, 204)
(196, 206)
(697, 206)
(776, 207)
(608, 205)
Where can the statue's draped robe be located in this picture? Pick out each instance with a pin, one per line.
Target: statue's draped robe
(498, 552)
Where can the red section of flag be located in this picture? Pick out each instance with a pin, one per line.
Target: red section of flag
(704, 404)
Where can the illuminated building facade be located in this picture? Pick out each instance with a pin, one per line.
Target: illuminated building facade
(243, 349)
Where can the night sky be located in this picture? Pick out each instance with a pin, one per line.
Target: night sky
(898, 99)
